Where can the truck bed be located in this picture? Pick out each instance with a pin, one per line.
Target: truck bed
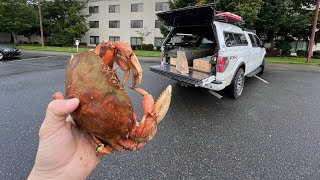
(194, 77)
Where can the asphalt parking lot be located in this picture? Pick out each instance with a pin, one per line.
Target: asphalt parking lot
(271, 132)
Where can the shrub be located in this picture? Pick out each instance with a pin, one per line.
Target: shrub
(302, 53)
(147, 47)
(316, 54)
(83, 44)
(135, 47)
(273, 53)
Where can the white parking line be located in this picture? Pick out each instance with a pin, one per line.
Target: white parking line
(29, 59)
(261, 79)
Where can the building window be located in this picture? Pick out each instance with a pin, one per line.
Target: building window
(94, 40)
(136, 41)
(158, 24)
(94, 24)
(162, 6)
(114, 9)
(114, 24)
(136, 23)
(158, 41)
(93, 9)
(114, 38)
(137, 7)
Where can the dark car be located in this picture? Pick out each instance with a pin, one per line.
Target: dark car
(8, 51)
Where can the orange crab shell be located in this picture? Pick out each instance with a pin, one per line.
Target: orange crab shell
(88, 79)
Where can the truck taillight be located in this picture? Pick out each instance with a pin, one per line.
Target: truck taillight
(222, 64)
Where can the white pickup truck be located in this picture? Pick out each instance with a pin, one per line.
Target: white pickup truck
(232, 52)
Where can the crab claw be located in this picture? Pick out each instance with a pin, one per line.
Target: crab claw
(162, 104)
(153, 114)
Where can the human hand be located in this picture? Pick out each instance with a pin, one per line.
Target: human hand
(65, 151)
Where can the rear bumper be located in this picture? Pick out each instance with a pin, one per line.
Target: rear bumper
(215, 86)
(195, 78)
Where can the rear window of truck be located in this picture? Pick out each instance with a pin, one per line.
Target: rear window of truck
(235, 39)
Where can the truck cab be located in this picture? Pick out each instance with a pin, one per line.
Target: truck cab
(219, 53)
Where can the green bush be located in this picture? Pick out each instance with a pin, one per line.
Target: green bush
(83, 44)
(147, 47)
(136, 47)
(316, 55)
(302, 53)
(273, 53)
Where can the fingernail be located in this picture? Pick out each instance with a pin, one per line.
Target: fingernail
(71, 102)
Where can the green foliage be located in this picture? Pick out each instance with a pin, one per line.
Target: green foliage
(164, 30)
(18, 17)
(316, 55)
(175, 4)
(63, 21)
(284, 44)
(302, 53)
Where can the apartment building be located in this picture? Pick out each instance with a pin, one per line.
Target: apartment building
(124, 20)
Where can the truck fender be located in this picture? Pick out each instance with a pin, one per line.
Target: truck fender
(241, 64)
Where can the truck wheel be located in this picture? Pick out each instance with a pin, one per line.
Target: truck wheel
(237, 84)
(262, 66)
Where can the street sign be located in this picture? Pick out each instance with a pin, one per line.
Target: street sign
(77, 43)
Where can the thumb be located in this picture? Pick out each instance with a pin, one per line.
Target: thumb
(57, 112)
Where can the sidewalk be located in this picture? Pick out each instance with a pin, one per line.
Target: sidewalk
(51, 53)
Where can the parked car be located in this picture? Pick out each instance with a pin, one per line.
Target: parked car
(8, 51)
(219, 53)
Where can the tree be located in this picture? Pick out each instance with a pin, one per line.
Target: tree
(164, 30)
(175, 4)
(143, 33)
(17, 17)
(63, 21)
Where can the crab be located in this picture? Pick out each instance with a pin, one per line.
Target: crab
(105, 109)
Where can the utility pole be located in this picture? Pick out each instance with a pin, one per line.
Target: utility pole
(40, 17)
(313, 34)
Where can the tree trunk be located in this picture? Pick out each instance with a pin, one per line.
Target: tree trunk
(29, 38)
(15, 38)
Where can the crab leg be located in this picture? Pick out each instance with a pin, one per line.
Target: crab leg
(101, 147)
(153, 114)
(124, 66)
(136, 70)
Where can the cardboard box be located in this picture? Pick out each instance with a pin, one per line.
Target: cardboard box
(173, 61)
(202, 64)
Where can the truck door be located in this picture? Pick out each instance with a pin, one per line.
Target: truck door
(260, 51)
(255, 53)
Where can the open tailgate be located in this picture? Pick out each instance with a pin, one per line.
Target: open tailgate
(188, 16)
(194, 77)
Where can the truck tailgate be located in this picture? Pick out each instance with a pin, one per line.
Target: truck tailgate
(194, 76)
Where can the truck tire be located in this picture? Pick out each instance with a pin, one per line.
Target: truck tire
(237, 84)
(262, 66)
